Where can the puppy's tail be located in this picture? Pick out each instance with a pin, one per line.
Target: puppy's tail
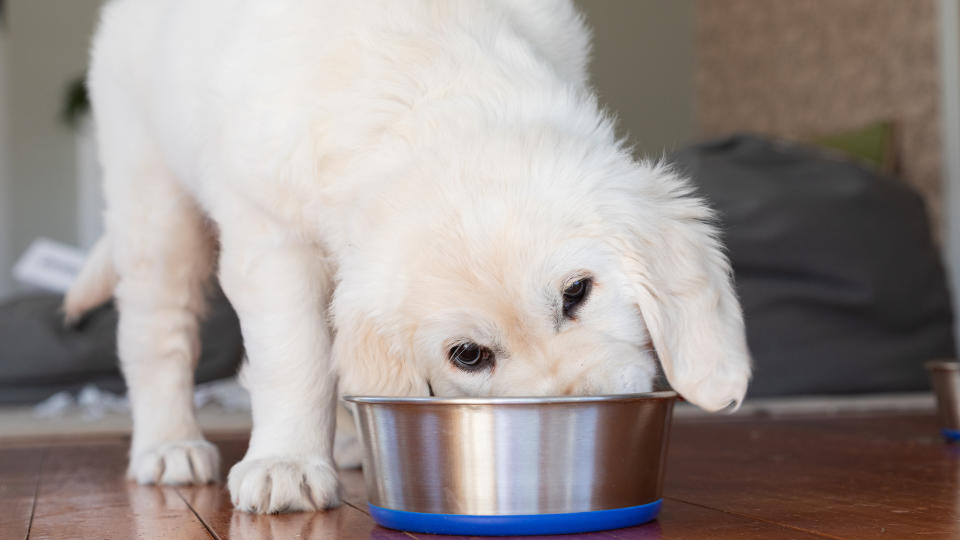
(94, 285)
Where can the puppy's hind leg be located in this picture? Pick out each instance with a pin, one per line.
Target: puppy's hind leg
(162, 251)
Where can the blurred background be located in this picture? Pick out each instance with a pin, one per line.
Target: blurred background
(826, 133)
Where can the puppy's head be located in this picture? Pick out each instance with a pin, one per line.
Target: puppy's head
(538, 267)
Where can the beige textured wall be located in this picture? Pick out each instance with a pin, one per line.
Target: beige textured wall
(643, 68)
(801, 67)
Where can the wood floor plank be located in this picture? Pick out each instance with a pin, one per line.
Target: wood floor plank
(678, 520)
(861, 477)
(19, 476)
(83, 494)
(681, 521)
(212, 505)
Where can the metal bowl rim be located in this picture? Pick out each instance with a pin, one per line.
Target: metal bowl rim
(513, 400)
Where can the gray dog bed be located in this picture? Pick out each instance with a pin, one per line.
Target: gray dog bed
(41, 356)
(842, 288)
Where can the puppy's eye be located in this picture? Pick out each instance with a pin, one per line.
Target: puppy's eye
(471, 357)
(574, 295)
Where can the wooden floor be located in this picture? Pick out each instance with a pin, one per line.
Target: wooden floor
(852, 477)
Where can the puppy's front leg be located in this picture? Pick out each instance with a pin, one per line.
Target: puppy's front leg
(280, 286)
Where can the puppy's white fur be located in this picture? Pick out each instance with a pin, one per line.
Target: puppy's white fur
(385, 179)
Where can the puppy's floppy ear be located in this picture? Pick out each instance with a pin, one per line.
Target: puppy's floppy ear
(369, 363)
(681, 281)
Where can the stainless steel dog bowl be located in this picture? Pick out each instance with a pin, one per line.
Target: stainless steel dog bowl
(510, 466)
(945, 376)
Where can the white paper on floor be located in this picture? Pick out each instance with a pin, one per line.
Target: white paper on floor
(92, 403)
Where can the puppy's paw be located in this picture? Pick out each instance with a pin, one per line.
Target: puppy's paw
(283, 484)
(178, 462)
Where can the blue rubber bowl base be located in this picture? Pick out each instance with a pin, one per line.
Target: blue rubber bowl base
(471, 525)
(951, 434)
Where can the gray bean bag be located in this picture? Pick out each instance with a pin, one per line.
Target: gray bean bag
(842, 287)
(40, 356)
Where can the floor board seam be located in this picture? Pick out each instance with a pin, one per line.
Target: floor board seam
(367, 513)
(36, 492)
(355, 507)
(209, 529)
(760, 519)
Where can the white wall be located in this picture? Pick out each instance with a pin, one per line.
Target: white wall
(6, 219)
(90, 200)
(950, 124)
(47, 43)
(643, 67)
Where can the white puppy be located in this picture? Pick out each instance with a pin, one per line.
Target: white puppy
(421, 194)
